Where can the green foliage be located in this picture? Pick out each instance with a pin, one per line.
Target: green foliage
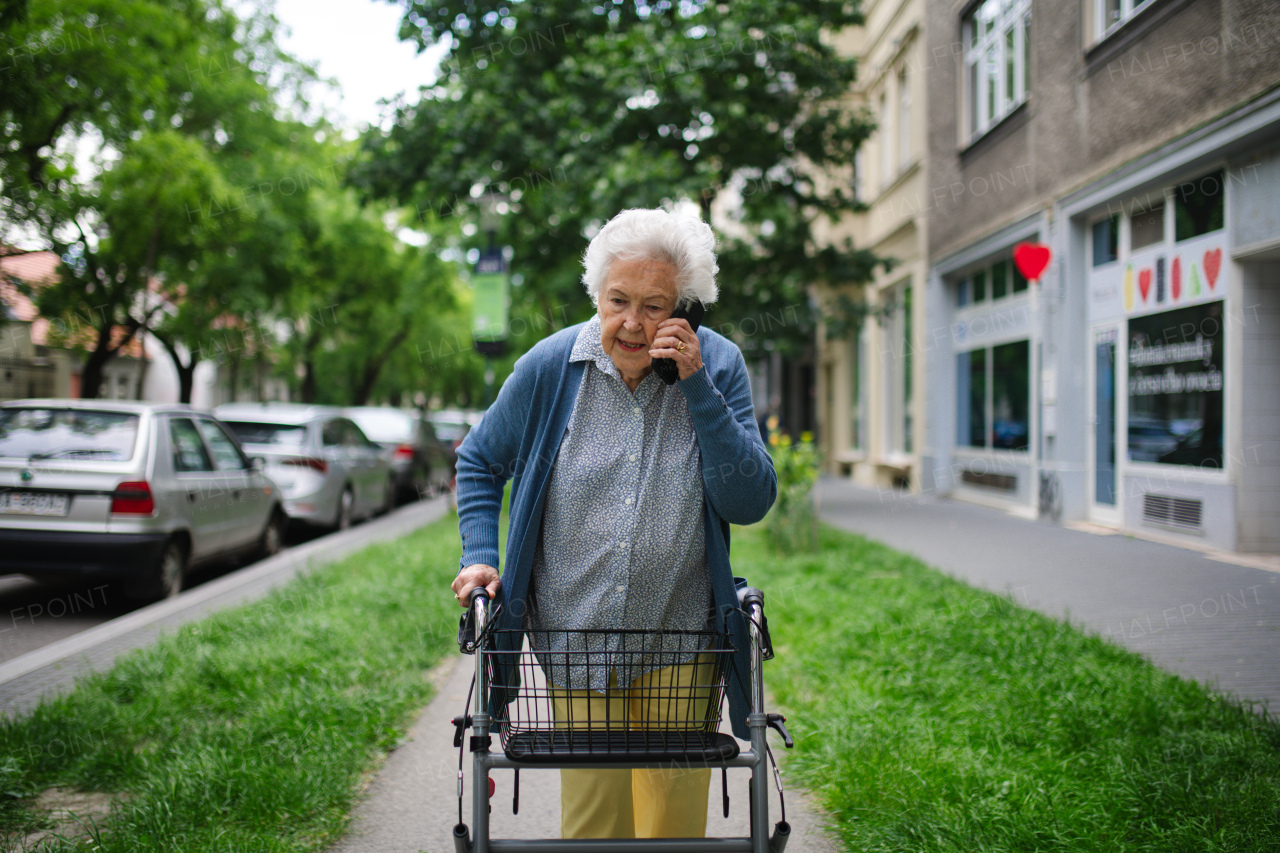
(171, 105)
(254, 729)
(792, 522)
(933, 717)
(574, 111)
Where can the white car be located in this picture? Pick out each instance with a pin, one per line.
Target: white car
(330, 473)
(139, 492)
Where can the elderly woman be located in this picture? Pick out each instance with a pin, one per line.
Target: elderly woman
(623, 489)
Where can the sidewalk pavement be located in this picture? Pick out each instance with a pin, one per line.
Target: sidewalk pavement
(412, 804)
(54, 668)
(1212, 617)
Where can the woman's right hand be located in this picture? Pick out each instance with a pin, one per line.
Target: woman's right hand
(473, 576)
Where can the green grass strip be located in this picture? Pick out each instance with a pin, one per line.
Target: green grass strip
(930, 716)
(251, 730)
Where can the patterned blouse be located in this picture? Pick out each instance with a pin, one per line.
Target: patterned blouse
(622, 543)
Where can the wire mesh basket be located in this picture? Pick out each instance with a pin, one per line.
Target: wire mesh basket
(603, 695)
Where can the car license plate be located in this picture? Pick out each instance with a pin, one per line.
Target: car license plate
(33, 503)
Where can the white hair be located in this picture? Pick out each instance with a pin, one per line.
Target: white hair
(685, 242)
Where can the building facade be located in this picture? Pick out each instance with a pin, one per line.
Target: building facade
(870, 394)
(1136, 384)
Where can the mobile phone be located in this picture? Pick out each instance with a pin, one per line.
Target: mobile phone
(666, 368)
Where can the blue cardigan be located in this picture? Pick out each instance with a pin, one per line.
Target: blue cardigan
(520, 436)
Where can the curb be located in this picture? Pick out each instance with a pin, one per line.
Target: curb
(54, 669)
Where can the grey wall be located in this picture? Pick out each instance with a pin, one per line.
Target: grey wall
(1259, 508)
(1087, 114)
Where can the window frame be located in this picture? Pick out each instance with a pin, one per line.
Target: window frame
(1129, 9)
(1010, 17)
(988, 348)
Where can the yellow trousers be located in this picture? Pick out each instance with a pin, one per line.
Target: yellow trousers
(667, 802)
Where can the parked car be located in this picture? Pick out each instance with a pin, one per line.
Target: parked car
(420, 461)
(452, 426)
(331, 474)
(136, 491)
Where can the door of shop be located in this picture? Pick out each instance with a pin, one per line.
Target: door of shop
(1106, 413)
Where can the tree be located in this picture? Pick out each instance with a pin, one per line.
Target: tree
(166, 100)
(572, 112)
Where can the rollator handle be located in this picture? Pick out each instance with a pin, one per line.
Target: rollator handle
(749, 595)
(467, 622)
(777, 722)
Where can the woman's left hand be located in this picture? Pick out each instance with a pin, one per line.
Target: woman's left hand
(677, 341)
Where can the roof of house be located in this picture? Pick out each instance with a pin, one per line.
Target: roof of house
(37, 268)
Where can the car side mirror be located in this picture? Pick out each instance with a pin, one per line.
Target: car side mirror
(258, 463)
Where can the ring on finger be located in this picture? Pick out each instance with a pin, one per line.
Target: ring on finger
(680, 347)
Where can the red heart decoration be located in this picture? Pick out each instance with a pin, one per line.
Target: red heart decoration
(1212, 263)
(1144, 283)
(1031, 259)
(1175, 276)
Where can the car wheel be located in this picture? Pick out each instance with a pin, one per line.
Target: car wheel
(346, 504)
(422, 484)
(272, 535)
(389, 499)
(166, 575)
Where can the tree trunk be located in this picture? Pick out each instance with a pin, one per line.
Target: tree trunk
(308, 390)
(186, 372)
(373, 368)
(91, 376)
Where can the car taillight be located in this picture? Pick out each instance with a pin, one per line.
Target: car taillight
(133, 498)
(404, 451)
(307, 462)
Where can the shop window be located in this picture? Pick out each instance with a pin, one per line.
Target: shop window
(1106, 240)
(857, 403)
(994, 397)
(996, 61)
(1146, 228)
(1011, 396)
(971, 392)
(999, 280)
(1198, 206)
(980, 286)
(1176, 386)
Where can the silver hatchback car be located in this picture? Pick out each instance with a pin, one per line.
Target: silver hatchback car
(329, 472)
(135, 491)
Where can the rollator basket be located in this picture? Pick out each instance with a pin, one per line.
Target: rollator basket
(613, 698)
(570, 707)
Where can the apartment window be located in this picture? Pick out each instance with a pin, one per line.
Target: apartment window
(904, 120)
(1110, 15)
(899, 379)
(996, 44)
(994, 397)
(860, 174)
(857, 401)
(886, 147)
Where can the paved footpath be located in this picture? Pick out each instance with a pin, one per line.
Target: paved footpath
(1213, 617)
(412, 803)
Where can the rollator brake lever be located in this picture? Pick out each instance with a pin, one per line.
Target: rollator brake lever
(460, 724)
(777, 722)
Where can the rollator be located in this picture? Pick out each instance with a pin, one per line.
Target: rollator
(531, 689)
